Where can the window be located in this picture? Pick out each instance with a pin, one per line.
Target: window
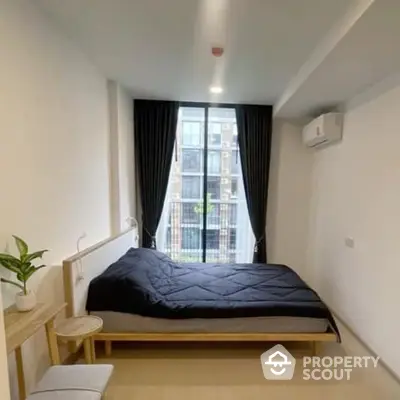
(189, 214)
(173, 213)
(212, 239)
(191, 187)
(215, 127)
(214, 187)
(213, 217)
(234, 187)
(214, 134)
(232, 214)
(191, 133)
(191, 256)
(232, 239)
(234, 136)
(168, 239)
(191, 238)
(206, 200)
(235, 162)
(214, 162)
(191, 160)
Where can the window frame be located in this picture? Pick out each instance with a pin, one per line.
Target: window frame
(206, 146)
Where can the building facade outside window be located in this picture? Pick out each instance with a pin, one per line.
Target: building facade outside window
(226, 209)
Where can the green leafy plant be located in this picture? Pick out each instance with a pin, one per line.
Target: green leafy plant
(22, 266)
(198, 208)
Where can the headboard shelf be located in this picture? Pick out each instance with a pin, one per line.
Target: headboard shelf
(81, 268)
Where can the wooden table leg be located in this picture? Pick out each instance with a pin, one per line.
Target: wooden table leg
(20, 373)
(52, 343)
(108, 348)
(87, 347)
(93, 348)
(316, 348)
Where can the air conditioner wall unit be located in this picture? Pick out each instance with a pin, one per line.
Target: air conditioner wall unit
(324, 130)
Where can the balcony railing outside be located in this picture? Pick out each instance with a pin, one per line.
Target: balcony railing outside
(184, 234)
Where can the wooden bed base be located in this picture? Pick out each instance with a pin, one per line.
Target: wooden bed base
(216, 337)
(315, 339)
(81, 268)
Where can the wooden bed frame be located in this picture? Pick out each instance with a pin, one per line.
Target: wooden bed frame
(82, 267)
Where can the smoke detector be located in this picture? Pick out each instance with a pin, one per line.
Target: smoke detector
(217, 51)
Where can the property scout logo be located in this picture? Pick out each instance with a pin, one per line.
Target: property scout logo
(278, 364)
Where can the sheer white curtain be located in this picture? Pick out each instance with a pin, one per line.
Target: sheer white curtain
(244, 234)
(161, 234)
(245, 240)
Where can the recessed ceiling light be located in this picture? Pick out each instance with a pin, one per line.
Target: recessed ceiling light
(216, 89)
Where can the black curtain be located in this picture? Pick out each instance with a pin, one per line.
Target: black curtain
(254, 136)
(155, 131)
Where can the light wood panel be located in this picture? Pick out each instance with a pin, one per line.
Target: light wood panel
(84, 266)
(20, 373)
(52, 343)
(97, 246)
(213, 337)
(78, 328)
(81, 329)
(4, 379)
(108, 347)
(81, 268)
(93, 350)
(87, 347)
(20, 326)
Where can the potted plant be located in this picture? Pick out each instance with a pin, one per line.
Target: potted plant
(24, 269)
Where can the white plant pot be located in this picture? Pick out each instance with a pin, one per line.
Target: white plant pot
(25, 302)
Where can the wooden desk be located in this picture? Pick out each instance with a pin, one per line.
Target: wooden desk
(20, 326)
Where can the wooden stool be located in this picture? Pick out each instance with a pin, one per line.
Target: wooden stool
(81, 328)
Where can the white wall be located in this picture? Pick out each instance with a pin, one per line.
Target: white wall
(289, 197)
(356, 193)
(122, 160)
(54, 136)
(126, 157)
(54, 150)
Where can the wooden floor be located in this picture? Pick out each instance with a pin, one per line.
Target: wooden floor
(228, 372)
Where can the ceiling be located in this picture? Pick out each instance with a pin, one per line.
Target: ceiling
(300, 55)
(362, 59)
(162, 48)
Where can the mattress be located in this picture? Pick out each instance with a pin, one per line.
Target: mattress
(120, 323)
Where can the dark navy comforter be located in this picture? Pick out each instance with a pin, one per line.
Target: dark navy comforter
(148, 283)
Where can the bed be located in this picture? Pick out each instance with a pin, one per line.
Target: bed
(142, 295)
